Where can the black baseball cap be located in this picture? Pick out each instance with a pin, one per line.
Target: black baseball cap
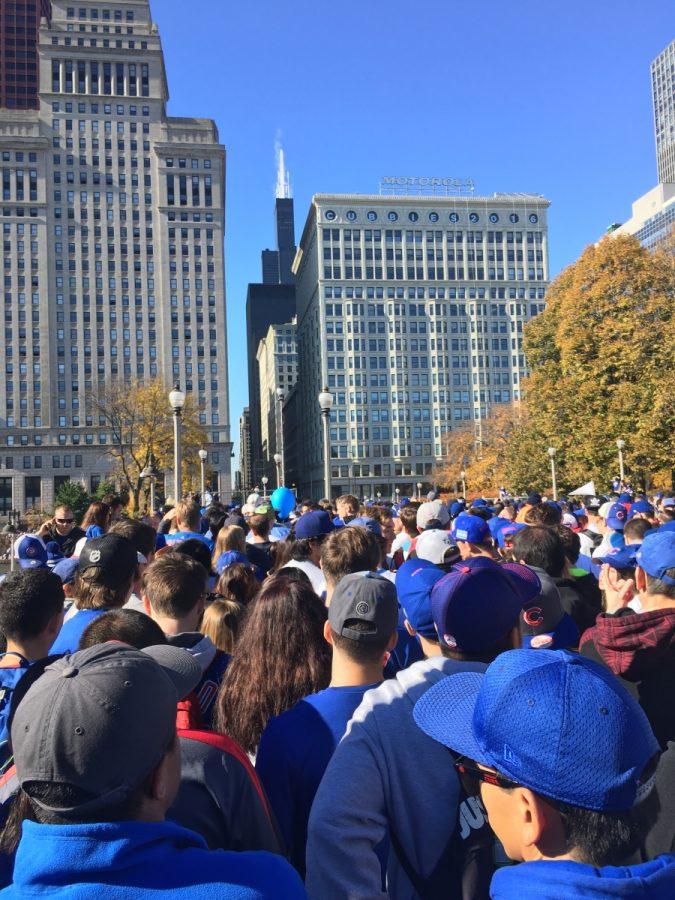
(113, 555)
(100, 720)
(364, 597)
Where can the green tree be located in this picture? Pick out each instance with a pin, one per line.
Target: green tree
(72, 494)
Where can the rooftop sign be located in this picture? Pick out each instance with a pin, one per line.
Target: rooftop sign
(422, 186)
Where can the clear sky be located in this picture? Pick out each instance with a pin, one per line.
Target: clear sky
(538, 97)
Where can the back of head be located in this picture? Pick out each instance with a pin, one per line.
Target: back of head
(196, 549)
(142, 536)
(571, 542)
(174, 584)
(408, 517)
(349, 550)
(238, 582)
(635, 530)
(544, 514)
(363, 616)
(28, 601)
(127, 626)
(97, 514)
(260, 525)
(188, 515)
(540, 547)
(107, 569)
(215, 516)
(221, 622)
(230, 537)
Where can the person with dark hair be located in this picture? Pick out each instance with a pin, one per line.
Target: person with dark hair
(198, 551)
(634, 531)
(579, 592)
(345, 551)
(215, 517)
(31, 616)
(174, 595)
(281, 658)
(545, 623)
(400, 548)
(296, 746)
(258, 544)
(144, 539)
(639, 646)
(238, 582)
(311, 530)
(128, 626)
(386, 778)
(99, 767)
(566, 782)
(105, 577)
(547, 514)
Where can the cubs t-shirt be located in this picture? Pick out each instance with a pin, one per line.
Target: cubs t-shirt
(294, 752)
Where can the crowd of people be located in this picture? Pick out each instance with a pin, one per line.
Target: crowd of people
(339, 699)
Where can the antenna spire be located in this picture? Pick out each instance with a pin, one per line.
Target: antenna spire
(283, 189)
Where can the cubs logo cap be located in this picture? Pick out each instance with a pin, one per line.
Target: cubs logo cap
(552, 721)
(30, 552)
(113, 556)
(364, 608)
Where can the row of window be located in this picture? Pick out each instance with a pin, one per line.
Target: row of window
(372, 216)
(378, 293)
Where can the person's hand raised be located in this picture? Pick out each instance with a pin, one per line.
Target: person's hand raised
(618, 591)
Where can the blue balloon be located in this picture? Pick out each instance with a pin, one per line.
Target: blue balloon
(283, 501)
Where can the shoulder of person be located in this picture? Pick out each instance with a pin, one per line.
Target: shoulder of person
(256, 875)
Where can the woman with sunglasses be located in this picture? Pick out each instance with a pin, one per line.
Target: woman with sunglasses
(61, 529)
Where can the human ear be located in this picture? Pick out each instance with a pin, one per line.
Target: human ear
(327, 634)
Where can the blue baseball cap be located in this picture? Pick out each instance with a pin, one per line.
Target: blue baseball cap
(616, 516)
(622, 558)
(544, 719)
(367, 523)
(414, 581)
(479, 501)
(54, 553)
(667, 502)
(456, 507)
(31, 552)
(67, 569)
(479, 601)
(470, 528)
(508, 532)
(624, 497)
(657, 554)
(534, 499)
(640, 506)
(313, 524)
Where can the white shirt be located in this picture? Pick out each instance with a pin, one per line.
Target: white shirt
(312, 571)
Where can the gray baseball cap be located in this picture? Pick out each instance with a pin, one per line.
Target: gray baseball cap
(364, 597)
(100, 720)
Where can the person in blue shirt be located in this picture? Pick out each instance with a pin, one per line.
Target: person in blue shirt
(296, 746)
(187, 521)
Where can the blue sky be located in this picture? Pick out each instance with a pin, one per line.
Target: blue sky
(522, 96)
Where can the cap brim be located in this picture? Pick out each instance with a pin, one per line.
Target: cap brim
(445, 713)
(179, 665)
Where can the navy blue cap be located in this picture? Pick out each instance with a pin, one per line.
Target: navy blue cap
(54, 553)
(544, 718)
(616, 517)
(470, 528)
(534, 499)
(312, 524)
(622, 558)
(640, 506)
(656, 555)
(31, 552)
(414, 581)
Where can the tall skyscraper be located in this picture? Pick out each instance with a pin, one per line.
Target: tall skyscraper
(245, 475)
(410, 310)
(19, 76)
(276, 264)
(113, 228)
(663, 97)
(277, 371)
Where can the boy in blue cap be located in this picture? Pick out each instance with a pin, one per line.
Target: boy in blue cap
(563, 759)
(472, 535)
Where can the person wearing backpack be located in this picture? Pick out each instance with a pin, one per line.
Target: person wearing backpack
(31, 615)
(387, 778)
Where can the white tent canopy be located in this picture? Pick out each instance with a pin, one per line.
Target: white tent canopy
(587, 490)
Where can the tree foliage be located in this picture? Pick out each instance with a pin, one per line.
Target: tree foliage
(73, 495)
(140, 421)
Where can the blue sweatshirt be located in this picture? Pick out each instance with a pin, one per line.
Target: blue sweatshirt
(567, 880)
(71, 631)
(141, 859)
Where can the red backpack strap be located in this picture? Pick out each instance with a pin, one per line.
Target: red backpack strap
(188, 713)
(227, 745)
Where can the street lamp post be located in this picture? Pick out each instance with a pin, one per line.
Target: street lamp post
(419, 490)
(462, 475)
(325, 404)
(281, 475)
(177, 402)
(620, 444)
(278, 459)
(202, 462)
(551, 452)
(264, 480)
(151, 472)
(397, 492)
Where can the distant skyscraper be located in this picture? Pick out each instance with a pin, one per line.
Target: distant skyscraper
(276, 264)
(19, 65)
(112, 219)
(245, 474)
(663, 96)
(277, 371)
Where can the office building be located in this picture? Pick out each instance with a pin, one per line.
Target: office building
(663, 98)
(276, 264)
(277, 371)
(19, 67)
(653, 217)
(113, 227)
(245, 475)
(410, 309)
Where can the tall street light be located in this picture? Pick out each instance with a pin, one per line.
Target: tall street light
(177, 402)
(462, 475)
(264, 480)
(281, 476)
(203, 455)
(326, 403)
(153, 473)
(551, 452)
(620, 444)
(419, 490)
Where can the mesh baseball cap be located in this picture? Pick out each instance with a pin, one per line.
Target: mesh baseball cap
(312, 524)
(656, 555)
(414, 581)
(552, 721)
(113, 555)
(436, 546)
(367, 598)
(101, 720)
(479, 601)
(616, 516)
(433, 509)
(470, 528)
(31, 552)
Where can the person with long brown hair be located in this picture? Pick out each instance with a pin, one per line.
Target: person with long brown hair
(96, 520)
(281, 657)
(238, 582)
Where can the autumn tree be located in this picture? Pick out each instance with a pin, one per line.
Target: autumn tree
(602, 361)
(141, 426)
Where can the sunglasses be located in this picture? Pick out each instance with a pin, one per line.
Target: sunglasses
(64, 521)
(471, 777)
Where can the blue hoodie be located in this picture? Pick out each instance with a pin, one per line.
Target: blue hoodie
(567, 880)
(142, 859)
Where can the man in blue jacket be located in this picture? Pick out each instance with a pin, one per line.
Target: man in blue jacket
(563, 759)
(98, 762)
